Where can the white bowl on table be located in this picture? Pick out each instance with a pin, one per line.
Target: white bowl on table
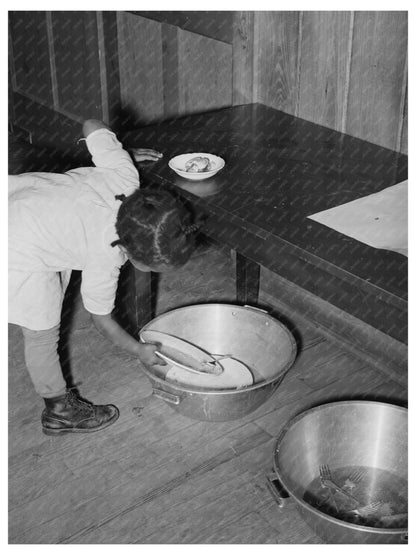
(177, 164)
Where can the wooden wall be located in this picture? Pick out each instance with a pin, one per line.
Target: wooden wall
(121, 67)
(344, 70)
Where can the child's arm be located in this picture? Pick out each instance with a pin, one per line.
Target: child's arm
(91, 125)
(139, 154)
(109, 327)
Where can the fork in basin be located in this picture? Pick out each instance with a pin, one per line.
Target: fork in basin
(353, 480)
(356, 476)
(327, 482)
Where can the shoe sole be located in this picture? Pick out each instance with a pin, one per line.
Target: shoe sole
(60, 431)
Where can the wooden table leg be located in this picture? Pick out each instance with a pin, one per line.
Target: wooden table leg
(144, 297)
(136, 298)
(247, 280)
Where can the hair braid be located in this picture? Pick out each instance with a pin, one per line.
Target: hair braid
(155, 228)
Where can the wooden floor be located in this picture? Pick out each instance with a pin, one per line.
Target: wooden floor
(156, 477)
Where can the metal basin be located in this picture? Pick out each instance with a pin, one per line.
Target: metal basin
(364, 444)
(261, 342)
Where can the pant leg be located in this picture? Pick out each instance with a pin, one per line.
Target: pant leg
(35, 298)
(42, 361)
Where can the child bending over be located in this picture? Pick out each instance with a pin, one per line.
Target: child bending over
(94, 220)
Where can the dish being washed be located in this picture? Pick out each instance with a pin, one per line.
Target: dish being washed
(192, 366)
(182, 354)
(235, 375)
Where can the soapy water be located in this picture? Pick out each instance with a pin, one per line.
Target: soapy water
(382, 497)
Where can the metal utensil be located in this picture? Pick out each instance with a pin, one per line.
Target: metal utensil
(366, 510)
(218, 358)
(356, 476)
(353, 479)
(207, 367)
(327, 482)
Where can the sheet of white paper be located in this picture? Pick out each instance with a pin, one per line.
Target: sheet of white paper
(378, 220)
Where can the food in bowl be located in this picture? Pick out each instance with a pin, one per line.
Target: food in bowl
(198, 164)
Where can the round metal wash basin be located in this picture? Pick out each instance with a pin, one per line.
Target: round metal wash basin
(363, 445)
(252, 336)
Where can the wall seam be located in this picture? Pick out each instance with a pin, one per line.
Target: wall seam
(51, 48)
(255, 57)
(11, 61)
(347, 75)
(103, 70)
(402, 107)
(298, 63)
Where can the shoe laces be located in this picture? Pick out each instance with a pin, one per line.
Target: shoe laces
(75, 401)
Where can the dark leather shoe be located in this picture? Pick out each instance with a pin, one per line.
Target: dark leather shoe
(69, 414)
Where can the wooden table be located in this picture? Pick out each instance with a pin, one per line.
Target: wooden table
(280, 169)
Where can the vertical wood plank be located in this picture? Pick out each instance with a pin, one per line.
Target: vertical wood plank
(323, 67)
(348, 76)
(110, 35)
(77, 63)
(141, 68)
(298, 61)
(377, 68)
(243, 45)
(54, 81)
(31, 55)
(103, 68)
(11, 79)
(170, 70)
(403, 112)
(205, 73)
(404, 139)
(276, 55)
(11, 68)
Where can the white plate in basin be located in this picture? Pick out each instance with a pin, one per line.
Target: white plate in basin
(177, 164)
(189, 364)
(235, 376)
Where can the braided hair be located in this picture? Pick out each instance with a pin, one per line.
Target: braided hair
(155, 228)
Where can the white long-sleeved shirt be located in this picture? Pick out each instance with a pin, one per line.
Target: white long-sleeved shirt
(60, 222)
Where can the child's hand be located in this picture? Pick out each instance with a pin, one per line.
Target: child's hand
(141, 154)
(147, 354)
